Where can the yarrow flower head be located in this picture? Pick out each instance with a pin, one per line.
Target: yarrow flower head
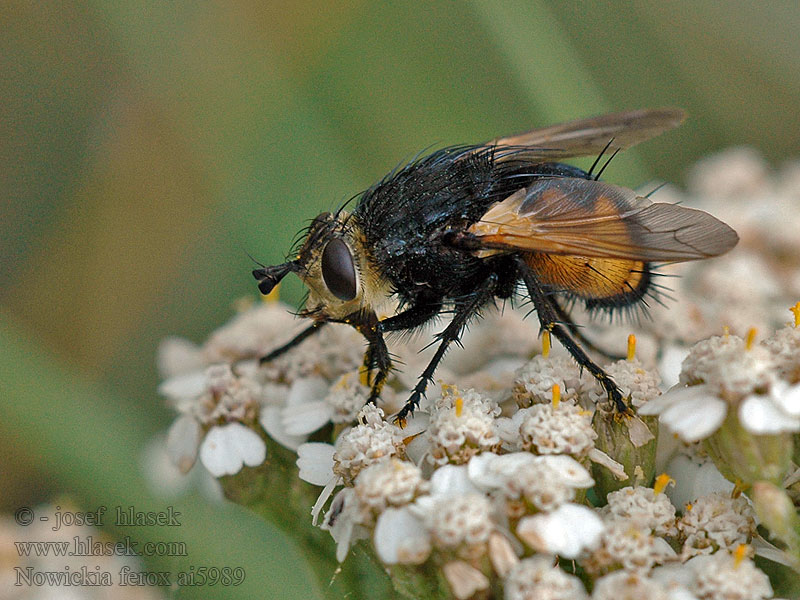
(368, 442)
(219, 410)
(736, 401)
(563, 428)
(784, 346)
(535, 380)
(535, 577)
(715, 522)
(728, 576)
(642, 506)
(462, 425)
(626, 546)
(627, 585)
(390, 482)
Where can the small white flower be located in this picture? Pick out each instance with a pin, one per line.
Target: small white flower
(627, 546)
(725, 577)
(456, 520)
(716, 522)
(562, 429)
(533, 383)
(401, 537)
(633, 380)
(306, 411)
(775, 412)
(315, 462)
(643, 507)
(694, 476)
(462, 425)
(369, 441)
(622, 585)
(784, 345)
(183, 442)
(227, 447)
(728, 366)
(214, 395)
(566, 531)
(465, 580)
(692, 412)
(347, 397)
(545, 481)
(390, 482)
(536, 577)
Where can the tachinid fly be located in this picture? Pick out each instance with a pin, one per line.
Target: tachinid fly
(467, 225)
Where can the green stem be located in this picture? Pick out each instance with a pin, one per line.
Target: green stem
(274, 491)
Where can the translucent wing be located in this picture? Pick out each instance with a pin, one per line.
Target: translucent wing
(583, 217)
(590, 136)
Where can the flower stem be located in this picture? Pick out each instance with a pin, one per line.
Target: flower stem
(274, 491)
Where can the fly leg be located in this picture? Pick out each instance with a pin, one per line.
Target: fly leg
(548, 318)
(463, 312)
(377, 355)
(576, 332)
(296, 340)
(375, 358)
(419, 312)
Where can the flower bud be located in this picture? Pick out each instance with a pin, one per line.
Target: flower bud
(631, 441)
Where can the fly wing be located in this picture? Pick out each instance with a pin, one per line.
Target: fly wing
(584, 217)
(590, 136)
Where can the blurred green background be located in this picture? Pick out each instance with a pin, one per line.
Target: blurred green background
(147, 147)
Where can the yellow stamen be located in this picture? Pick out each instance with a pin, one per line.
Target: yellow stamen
(796, 310)
(274, 295)
(631, 347)
(738, 488)
(750, 338)
(556, 395)
(726, 331)
(459, 406)
(662, 481)
(448, 390)
(741, 552)
(689, 507)
(546, 344)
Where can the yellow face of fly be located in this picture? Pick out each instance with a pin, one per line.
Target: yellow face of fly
(337, 269)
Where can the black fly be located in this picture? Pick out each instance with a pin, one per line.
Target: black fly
(466, 225)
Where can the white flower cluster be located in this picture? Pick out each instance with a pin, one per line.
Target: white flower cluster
(727, 375)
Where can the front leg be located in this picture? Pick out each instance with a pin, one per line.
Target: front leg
(415, 315)
(464, 310)
(307, 332)
(376, 357)
(420, 311)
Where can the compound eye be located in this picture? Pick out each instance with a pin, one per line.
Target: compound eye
(338, 270)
